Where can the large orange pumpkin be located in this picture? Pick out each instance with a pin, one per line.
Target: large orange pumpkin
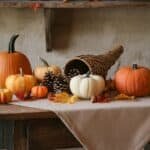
(133, 80)
(11, 61)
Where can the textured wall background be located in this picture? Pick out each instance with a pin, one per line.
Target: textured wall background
(79, 31)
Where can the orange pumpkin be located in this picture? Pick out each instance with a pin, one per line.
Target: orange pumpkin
(39, 91)
(11, 61)
(5, 96)
(133, 81)
(20, 84)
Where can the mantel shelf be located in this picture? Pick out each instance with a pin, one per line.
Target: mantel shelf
(73, 4)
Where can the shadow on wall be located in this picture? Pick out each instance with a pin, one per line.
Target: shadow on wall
(61, 28)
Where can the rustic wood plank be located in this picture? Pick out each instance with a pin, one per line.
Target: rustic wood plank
(1, 135)
(73, 4)
(48, 28)
(20, 139)
(20, 113)
(6, 132)
(49, 134)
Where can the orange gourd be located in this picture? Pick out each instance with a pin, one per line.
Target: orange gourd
(11, 61)
(133, 81)
(5, 96)
(39, 91)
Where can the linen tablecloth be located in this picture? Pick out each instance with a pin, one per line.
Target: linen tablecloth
(117, 125)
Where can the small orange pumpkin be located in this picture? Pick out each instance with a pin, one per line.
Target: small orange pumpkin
(11, 61)
(20, 84)
(133, 81)
(39, 91)
(5, 96)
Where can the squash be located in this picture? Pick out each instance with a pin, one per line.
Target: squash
(87, 85)
(133, 81)
(20, 84)
(11, 61)
(39, 91)
(5, 96)
(40, 71)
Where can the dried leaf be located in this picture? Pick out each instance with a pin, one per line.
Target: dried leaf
(100, 99)
(124, 97)
(73, 99)
(62, 98)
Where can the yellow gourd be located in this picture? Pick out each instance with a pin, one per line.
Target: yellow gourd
(20, 84)
(40, 71)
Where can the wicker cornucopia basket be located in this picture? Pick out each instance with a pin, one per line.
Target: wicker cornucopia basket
(96, 64)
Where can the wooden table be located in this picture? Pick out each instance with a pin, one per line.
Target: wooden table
(24, 128)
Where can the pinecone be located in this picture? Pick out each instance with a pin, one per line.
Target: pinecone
(56, 83)
(61, 84)
(48, 81)
(73, 72)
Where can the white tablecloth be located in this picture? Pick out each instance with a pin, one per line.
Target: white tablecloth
(119, 125)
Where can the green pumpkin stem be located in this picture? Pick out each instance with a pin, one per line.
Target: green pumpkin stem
(44, 61)
(135, 66)
(88, 73)
(40, 84)
(21, 71)
(11, 48)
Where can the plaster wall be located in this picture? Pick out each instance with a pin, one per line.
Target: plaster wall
(79, 31)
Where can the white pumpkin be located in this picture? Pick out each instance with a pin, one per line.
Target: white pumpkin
(87, 85)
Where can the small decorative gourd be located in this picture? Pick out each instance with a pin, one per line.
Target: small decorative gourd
(11, 61)
(87, 85)
(20, 84)
(40, 71)
(39, 91)
(5, 96)
(133, 81)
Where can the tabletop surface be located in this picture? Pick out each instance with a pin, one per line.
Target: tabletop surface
(8, 111)
(45, 109)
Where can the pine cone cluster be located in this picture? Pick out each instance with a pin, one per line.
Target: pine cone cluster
(56, 83)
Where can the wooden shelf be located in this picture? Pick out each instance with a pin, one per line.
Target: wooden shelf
(73, 4)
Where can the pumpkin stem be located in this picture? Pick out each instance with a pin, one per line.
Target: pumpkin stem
(11, 48)
(40, 84)
(135, 66)
(21, 72)
(44, 61)
(88, 73)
